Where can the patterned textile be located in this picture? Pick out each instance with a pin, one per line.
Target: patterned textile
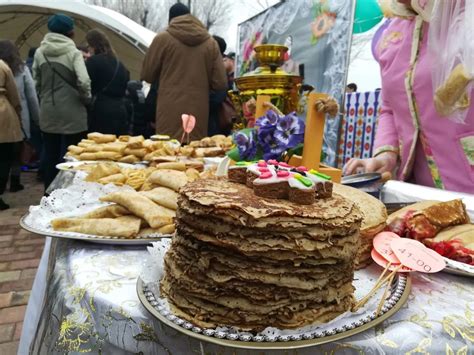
(358, 126)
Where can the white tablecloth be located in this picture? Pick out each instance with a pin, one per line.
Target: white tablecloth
(85, 300)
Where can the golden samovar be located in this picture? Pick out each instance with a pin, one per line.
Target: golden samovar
(270, 79)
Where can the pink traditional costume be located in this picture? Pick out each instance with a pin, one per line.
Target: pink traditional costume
(433, 150)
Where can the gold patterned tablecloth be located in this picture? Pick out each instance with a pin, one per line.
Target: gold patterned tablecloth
(91, 306)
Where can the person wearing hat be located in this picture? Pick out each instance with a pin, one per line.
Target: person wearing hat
(229, 64)
(187, 65)
(64, 88)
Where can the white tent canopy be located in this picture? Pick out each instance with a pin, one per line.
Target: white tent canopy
(25, 23)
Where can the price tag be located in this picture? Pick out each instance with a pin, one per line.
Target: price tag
(382, 246)
(380, 260)
(417, 256)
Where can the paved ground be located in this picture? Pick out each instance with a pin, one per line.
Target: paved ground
(20, 254)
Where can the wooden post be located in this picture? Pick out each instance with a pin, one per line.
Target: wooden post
(261, 109)
(313, 143)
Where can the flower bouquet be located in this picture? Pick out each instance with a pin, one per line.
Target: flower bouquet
(272, 137)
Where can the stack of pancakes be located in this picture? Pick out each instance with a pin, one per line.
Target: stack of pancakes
(244, 261)
(374, 221)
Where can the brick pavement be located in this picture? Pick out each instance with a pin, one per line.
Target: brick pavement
(20, 253)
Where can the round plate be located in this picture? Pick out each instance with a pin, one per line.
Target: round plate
(360, 179)
(399, 296)
(91, 238)
(458, 268)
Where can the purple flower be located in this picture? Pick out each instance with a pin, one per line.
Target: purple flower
(289, 130)
(246, 144)
(268, 121)
(272, 148)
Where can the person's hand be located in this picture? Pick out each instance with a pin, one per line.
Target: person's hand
(382, 163)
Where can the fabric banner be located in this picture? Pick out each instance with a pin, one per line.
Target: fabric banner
(357, 134)
(317, 34)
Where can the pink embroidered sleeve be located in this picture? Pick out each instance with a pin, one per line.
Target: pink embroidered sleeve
(386, 135)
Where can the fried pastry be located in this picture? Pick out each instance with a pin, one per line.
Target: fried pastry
(173, 166)
(102, 170)
(135, 142)
(118, 147)
(139, 152)
(74, 149)
(163, 196)
(110, 211)
(451, 95)
(169, 178)
(130, 159)
(125, 227)
(118, 179)
(102, 138)
(141, 206)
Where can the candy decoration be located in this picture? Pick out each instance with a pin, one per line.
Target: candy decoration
(243, 163)
(263, 170)
(261, 164)
(189, 121)
(318, 174)
(302, 168)
(283, 173)
(306, 182)
(266, 175)
(272, 162)
(284, 165)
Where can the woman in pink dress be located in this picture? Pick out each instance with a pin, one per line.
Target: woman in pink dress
(412, 138)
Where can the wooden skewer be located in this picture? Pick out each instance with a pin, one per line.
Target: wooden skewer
(363, 301)
(375, 287)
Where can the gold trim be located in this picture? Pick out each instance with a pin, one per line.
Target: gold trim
(274, 345)
(409, 80)
(386, 148)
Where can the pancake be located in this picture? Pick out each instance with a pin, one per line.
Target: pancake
(374, 219)
(249, 262)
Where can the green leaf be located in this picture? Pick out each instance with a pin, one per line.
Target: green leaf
(234, 154)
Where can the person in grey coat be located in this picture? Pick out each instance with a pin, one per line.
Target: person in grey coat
(64, 88)
(29, 104)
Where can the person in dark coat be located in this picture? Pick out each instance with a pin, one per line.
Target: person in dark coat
(109, 78)
(141, 124)
(186, 64)
(216, 98)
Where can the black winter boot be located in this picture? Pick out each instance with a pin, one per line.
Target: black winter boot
(15, 183)
(3, 205)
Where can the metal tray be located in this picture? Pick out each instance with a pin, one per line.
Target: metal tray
(400, 291)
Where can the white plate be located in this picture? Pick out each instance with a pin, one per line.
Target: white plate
(74, 165)
(92, 238)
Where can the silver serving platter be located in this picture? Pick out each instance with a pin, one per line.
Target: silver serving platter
(458, 268)
(92, 238)
(399, 294)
